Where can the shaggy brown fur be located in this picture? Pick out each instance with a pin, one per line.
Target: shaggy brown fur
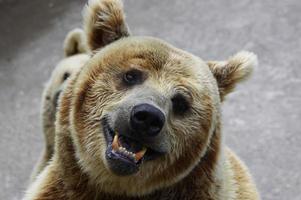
(230, 72)
(196, 164)
(75, 43)
(104, 23)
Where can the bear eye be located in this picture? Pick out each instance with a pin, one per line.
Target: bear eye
(132, 77)
(66, 75)
(180, 104)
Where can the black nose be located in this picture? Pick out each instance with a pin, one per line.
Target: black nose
(147, 119)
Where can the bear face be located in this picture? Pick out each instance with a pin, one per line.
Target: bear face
(136, 109)
(66, 68)
(76, 55)
(142, 112)
(60, 75)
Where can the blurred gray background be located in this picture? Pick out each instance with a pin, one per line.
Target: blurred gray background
(262, 119)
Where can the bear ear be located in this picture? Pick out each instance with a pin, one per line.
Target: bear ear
(236, 69)
(75, 43)
(104, 22)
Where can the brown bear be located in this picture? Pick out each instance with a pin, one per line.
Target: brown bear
(76, 54)
(142, 121)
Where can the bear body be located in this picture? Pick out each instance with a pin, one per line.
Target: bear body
(141, 120)
(76, 55)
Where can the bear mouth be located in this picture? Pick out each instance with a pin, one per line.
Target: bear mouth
(124, 154)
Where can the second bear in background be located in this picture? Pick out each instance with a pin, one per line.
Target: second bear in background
(75, 57)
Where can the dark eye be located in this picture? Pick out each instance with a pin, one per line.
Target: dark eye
(66, 75)
(132, 77)
(180, 104)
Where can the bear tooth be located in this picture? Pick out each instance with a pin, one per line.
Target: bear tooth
(140, 154)
(115, 144)
(120, 149)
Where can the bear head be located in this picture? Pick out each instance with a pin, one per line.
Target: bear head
(76, 55)
(142, 112)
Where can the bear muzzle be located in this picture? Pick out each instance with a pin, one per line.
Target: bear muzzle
(134, 137)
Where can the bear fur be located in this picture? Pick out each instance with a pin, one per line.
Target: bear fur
(76, 54)
(99, 154)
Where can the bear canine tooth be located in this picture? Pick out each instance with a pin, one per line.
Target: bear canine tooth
(115, 145)
(140, 154)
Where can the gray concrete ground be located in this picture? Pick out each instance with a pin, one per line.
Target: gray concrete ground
(261, 119)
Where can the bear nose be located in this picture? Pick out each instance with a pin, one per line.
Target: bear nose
(147, 119)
